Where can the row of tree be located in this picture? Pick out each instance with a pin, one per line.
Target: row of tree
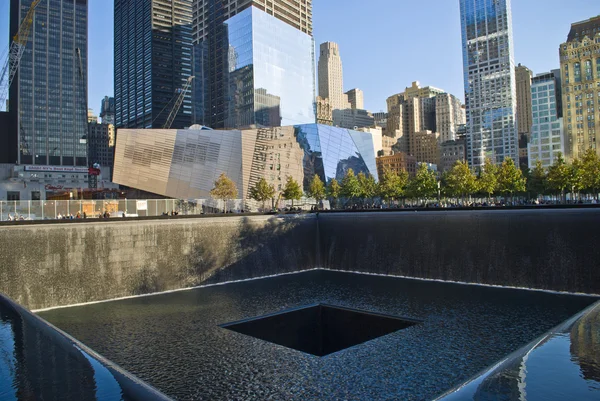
(580, 177)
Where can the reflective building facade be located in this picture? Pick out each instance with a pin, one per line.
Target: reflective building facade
(489, 75)
(153, 60)
(185, 164)
(50, 89)
(253, 69)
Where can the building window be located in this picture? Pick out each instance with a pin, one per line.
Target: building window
(35, 195)
(577, 72)
(13, 195)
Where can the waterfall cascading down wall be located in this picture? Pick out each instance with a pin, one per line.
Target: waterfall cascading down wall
(51, 265)
(556, 249)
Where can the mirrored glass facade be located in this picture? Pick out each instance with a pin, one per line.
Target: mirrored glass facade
(184, 164)
(52, 84)
(489, 75)
(254, 69)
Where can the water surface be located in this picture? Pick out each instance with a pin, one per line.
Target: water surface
(174, 342)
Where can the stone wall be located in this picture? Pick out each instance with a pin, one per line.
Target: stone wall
(556, 249)
(61, 264)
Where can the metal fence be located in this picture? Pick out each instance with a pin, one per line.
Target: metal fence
(59, 209)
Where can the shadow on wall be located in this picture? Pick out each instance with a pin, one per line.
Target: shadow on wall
(65, 264)
(281, 245)
(253, 249)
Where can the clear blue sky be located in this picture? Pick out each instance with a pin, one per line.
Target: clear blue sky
(384, 44)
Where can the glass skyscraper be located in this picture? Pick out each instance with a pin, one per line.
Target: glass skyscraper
(52, 84)
(489, 75)
(547, 137)
(252, 69)
(153, 60)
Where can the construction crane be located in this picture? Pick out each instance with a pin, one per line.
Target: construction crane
(78, 52)
(178, 103)
(15, 52)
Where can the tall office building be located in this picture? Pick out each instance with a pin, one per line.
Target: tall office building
(297, 13)
(356, 98)
(489, 75)
(580, 68)
(101, 144)
(547, 134)
(253, 62)
(153, 60)
(331, 76)
(49, 94)
(107, 110)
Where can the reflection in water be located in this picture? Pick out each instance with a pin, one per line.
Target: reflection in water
(585, 345)
(38, 367)
(560, 366)
(39, 363)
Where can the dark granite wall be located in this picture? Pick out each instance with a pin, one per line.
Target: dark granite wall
(61, 264)
(546, 249)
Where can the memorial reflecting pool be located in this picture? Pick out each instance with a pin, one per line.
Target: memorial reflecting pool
(175, 341)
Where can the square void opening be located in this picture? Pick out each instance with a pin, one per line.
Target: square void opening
(320, 329)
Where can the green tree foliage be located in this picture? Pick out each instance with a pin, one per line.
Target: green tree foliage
(392, 185)
(350, 186)
(292, 190)
(576, 176)
(559, 175)
(368, 186)
(536, 184)
(488, 178)
(510, 178)
(262, 192)
(224, 189)
(461, 181)
(316, 189)
(424, 184)
(334, 190)
(590, 177)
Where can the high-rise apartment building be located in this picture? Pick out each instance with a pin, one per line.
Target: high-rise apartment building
(547, 134)
(107, 110)
(153, 60)
(353, 118)
(253, 63)
(523, 77)
(331, 76)
(449, 115)
(48, 95)
(580, 70)
(489, 75)
(407, 115)
(356, 98)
